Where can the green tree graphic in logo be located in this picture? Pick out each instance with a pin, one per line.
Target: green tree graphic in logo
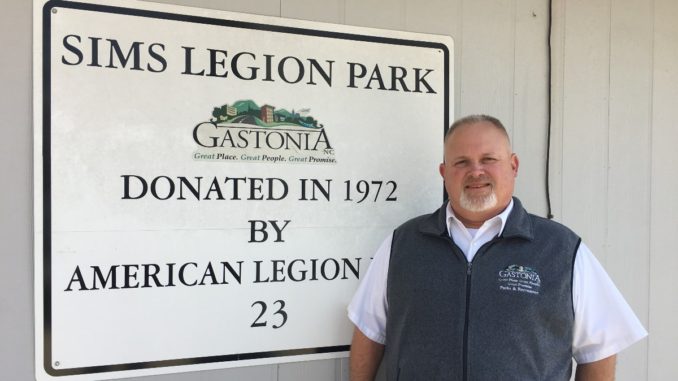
(248, 112)
(521, 269)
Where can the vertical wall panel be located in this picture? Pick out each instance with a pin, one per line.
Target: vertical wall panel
(310, 370)
(433, 16)
(530, 102)
(341, 372)
(664, 238)
(487, 61)
(628, 199)
(259, 7)
(319, 10)
(555, 142)
(16, 211)
(254, 373)
(585, 125)
(376, 13)
(439, 17)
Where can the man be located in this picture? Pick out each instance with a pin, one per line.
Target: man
(482, 290)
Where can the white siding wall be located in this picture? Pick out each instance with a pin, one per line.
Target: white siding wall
(663, 204)
(615, 97)
(614, 101)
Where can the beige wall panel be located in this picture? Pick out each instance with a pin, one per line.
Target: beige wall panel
(663, 343)
(255, 373)
(342, 371)
(376, 13)
(557, 107)
(310, 370)
(258, 7)
(439, 17)
(628, 202)
(433, 16)
(487, 59)
(585, 124)
(319, 10)
(16, 211)
(530, 102)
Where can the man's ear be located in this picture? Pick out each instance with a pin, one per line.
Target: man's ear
(441, 169)
(515, 163)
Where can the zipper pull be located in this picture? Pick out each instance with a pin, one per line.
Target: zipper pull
(468, 268)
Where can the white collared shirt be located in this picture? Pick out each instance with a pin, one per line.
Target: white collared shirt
(604, 323)
(470, 240)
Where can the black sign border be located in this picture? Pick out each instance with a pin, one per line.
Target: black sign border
(46, 170)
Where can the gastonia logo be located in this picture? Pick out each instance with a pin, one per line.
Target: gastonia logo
(521, 272)
(519, 278)
(521, 269)
(245, 131)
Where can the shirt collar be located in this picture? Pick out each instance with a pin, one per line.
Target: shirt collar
(499, 218)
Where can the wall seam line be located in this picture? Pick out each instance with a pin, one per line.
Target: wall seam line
(608, 160)
(513, 79)
(650, 175)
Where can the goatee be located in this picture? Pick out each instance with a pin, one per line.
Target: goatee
(479, 203)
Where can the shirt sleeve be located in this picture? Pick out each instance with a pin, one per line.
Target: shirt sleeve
(368, 308)
(604, 323)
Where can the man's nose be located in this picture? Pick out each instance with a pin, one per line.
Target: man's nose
(477, 169)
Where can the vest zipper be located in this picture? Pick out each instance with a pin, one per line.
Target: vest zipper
(469, 265)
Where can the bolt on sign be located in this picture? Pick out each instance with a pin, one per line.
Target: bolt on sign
(210, 186)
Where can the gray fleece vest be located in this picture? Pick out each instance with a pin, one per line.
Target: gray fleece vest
(507, 315)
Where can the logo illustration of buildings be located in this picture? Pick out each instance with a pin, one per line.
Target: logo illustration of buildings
(248, 112)
(520, 269)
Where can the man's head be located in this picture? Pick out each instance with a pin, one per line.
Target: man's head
(479, 168)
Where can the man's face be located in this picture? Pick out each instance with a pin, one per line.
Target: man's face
(479, 172)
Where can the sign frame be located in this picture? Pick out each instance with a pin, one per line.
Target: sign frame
(43, 218)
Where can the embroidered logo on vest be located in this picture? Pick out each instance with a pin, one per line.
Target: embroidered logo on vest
(516, 278)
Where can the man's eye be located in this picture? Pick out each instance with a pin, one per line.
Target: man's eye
(489, 160)
(460, 163)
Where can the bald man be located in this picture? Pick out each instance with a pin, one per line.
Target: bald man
(482, 290)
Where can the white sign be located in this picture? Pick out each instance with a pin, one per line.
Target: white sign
(210, 186)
